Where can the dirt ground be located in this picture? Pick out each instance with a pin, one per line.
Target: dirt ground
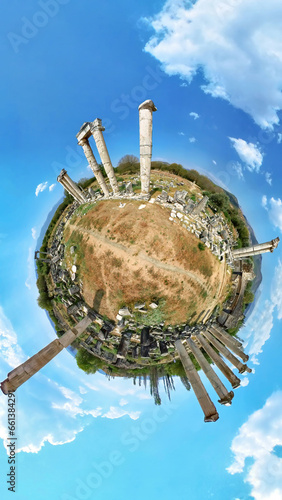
(132, 255)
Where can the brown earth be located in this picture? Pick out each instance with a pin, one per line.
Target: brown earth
(132, 255)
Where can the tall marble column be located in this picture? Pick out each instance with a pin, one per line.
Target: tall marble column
(226, 341)
(97, 132)
(146, 127)
(269, 246)
(227, 372)
(226, 353)
(71, 186)
(225, 335)
(225, 396)
(94, 165)
(207, 405)
(27, 369)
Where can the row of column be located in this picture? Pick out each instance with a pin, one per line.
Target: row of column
(96, 129)
(27, 369)
(212, 342)
(71, 187)
(242, 253)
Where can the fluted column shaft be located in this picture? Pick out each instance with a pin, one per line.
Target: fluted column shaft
(226, 353)
(97, 132)
(227, 372)
(94, 165)
(145, 131)
(205, 402)
(225, 396)
(64, 179)
(27, 369)
(68, 188)
(226, 335)
(225, 340)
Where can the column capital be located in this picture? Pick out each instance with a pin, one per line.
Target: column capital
(61, 175)
(83, 141)
(84, 132)
(97, 125)
(147, 105)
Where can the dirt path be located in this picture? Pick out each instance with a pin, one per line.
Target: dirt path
(142, 256)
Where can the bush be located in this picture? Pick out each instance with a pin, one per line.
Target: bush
(201, 246)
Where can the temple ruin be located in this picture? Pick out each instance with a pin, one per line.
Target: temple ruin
(146, 110)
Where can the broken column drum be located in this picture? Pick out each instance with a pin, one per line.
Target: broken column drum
(146, 126)
(72, 188)
(97, 132)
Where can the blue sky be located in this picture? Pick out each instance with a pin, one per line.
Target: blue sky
(214, 73)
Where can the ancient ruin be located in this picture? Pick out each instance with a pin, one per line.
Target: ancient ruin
(131, 341)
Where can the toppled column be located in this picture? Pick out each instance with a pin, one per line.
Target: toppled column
(145, 129)
(225, 396)
(94, 165)
(234, 381)
(226, 353)
(207, 405)
(71, 187)
(97, 132)
(26, 370)
(269, 246)
(201, 206)
(226, 341)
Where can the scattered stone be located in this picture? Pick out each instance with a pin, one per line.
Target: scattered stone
(121, 205)
(74, 289)
(139, 306)
(73, 268)
(142, 206)
(153, 305)
(124, 312)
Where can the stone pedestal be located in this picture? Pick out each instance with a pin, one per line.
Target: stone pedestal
(94, 165)
(97, 132)
(146, 126)
(225, 396)
(71, 187)
(27, 369)
(226, 340)
(234, 381)
(207, 405)
(226, 353)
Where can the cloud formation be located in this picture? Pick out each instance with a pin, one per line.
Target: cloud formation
(33, 233)
(52, 187)
(249, 154)
(9, 348)
(268, 178)
(194, 115)
(274, 208)
(41, 187)
(257, 439)
(235, 44)
(192, 139)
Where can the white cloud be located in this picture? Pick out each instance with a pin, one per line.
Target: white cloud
(276, 290)
(82, 390)
(181, 133)
(237, 46)
(264, 201)
(194, 115)
(257, 439)
(238, 169)
(118, 412)
(279, 138)
(192, 139)
(214, 162)
(123, 402)
(268, 178)
(52, 187)
(41, 187)
(33, 233)
(244, 382)
(183, 84)
(275, 212)
(9, 348)
(30, 267)
(249, 153)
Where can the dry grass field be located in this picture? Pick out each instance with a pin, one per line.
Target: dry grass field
(138, 255)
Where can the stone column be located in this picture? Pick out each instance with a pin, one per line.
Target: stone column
(226, 341)
(234, 381)
(94, 165)
(71, 186)
(27, 369)
(225, 396)
(201, 206)
(269, 246)
(97, 132)
(146, 127)
(226, 353)
(225, 335)
(207, 405)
